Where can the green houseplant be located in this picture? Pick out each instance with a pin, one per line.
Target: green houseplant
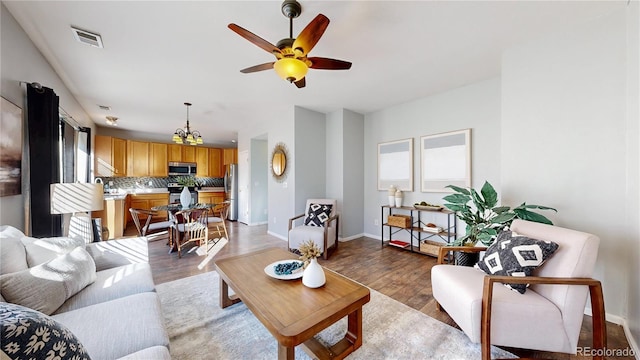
(188, 181)
(483, 217)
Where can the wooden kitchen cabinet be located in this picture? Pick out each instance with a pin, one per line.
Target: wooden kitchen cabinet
(119, 156)
(110, 156)
(158, 163)
(137, 158)
(216, 168)
(147, 201)
(230, 156)
(202, 159)
(174, 152)
(188, 153)
(210, 197)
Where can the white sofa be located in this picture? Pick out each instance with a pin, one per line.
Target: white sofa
(116, 316)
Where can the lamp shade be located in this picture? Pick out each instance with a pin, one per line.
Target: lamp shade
(67, 198)
(291, 69)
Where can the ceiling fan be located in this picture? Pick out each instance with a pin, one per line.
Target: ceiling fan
(291, 53)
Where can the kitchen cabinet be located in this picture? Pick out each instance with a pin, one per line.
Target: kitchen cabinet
(230, 156)
(210, 197)
(147, 201)
(137, 158)
(158, 160)
(202, 158)
(113, 217)
(188, 153)
(216, 168)
(110, 156)
(174, 153)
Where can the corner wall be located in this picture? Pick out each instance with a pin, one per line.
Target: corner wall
(22, 61)
(475, 106)
(565, 141)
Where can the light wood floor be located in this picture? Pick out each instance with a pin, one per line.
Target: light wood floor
(397, 273)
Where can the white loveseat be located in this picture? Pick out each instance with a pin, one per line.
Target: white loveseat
(116, 316)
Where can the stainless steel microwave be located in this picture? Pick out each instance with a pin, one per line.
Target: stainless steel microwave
(182, 168)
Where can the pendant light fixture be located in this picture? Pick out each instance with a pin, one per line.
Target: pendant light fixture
(186, 136)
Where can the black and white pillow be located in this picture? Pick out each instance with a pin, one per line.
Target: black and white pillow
(514, 255)
(318, 214)
(29, 334)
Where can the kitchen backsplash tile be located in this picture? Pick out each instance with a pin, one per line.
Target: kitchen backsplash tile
(153, 182)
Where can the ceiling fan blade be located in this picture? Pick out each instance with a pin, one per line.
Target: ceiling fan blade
(265, 66)
(301, 83)
(329, 64)
(255, 39)
(311, 34)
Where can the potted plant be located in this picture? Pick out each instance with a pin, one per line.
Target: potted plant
(188, 181)
(484, 219)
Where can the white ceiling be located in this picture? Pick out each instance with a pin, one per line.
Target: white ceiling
(159, 54)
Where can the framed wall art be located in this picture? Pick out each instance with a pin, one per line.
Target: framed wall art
(10, 149)
(445, 160)
(395, 165)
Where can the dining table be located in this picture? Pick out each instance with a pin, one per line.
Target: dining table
(172, 210)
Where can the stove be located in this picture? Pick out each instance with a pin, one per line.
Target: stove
(174, 193)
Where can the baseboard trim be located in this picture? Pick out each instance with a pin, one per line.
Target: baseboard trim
(258, 223)
(632, 342)
(277, 235)
(353, 237)
(376, 237)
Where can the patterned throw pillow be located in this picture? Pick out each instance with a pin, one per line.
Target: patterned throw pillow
(28, 334)
(514, 255)
(318, 214)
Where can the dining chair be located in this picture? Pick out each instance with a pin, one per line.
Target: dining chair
(190, 226)
(217, 220)
(148, 227)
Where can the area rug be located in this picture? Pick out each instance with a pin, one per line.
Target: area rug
(199, 329)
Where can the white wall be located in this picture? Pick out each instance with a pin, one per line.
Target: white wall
(335, 176)
(475, 106)
(633, 134)
(565, 142)
(278, 124)
(259, 163)
(21, 61)
(345, 169)
(310, 157)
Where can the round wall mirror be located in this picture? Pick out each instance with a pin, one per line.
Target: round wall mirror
(279, 161)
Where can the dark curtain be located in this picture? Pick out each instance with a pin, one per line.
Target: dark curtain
(44, 155)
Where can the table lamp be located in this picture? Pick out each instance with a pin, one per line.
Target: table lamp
(77, 199)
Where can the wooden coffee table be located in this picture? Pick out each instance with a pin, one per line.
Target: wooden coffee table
(292, 312)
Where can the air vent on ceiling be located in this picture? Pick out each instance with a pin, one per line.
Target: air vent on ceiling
(86, 37)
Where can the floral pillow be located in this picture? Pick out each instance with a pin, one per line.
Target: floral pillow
(29, 334)
(318, 214)
(515, 255)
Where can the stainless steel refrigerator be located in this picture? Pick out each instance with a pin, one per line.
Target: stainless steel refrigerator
(231, 190)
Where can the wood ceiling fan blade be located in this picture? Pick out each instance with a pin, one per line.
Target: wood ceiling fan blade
(255, 68)
(301, 83)
(255, 39)
(329, 64)
(311, 34)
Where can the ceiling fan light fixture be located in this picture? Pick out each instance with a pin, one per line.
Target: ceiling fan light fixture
(112, 120)
(291, 69)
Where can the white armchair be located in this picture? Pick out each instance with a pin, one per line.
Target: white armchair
(320, 225)
(548, 316)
